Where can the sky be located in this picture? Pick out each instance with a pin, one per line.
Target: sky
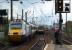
(42, 12)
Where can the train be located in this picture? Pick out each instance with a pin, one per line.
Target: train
(19, 30)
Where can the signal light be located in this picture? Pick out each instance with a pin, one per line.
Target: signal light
(60, 5)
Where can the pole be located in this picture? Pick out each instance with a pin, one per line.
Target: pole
(36, 21)
(60, 21)
(25, 21)
(11, 10)
(33, 17)
(60, 27)
(17, 16)
(66, 22)
(32, 20)
(26, 17)
(22, 14)
(7, 17)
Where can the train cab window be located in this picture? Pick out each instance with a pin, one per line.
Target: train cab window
(15, 25)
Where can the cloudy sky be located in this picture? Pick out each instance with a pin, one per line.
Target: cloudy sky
(43, 12)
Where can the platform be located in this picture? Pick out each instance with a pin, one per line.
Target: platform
(57, 47)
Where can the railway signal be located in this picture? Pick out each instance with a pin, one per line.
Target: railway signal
(62, 6)
(58, 5)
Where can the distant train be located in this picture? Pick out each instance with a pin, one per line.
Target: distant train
(20, 31)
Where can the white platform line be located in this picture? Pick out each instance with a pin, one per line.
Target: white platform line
(46, 47)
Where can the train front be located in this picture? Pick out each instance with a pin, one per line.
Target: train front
(15, 31)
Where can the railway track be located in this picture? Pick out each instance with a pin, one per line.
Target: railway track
(42, 41)
(10, 47)
(18, 47)
(66, 42)
(39, 45)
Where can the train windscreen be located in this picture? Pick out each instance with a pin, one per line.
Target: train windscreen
(15, 25)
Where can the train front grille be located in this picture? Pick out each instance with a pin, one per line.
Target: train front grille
(15, 37)
(15, 33)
